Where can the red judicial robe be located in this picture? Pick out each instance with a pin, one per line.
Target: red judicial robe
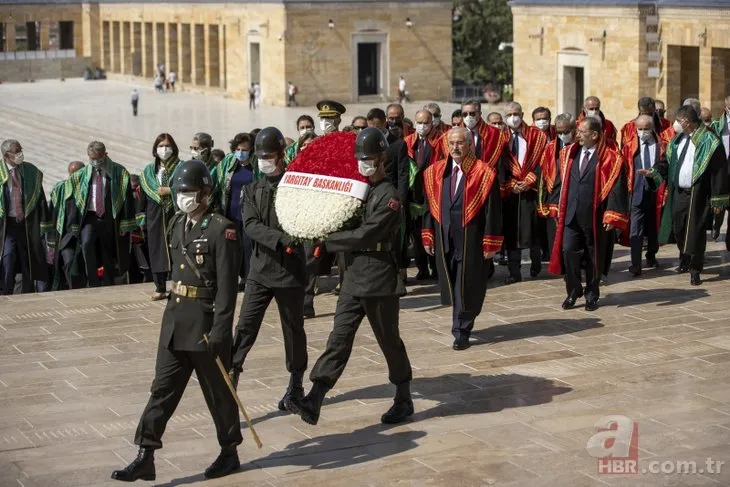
(481, 225)
(415, 181)
(520, 209)
(629, 136)
(493, 142)
(547, 206)
(610, 203)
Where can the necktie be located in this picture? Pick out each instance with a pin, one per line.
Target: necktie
(17, 199)
(421, 156)
(188, 226)
(454, 179)
(478, 145)
(515, 146)
(647, 157)
(640, 183)
(99, 194)
(584, 162)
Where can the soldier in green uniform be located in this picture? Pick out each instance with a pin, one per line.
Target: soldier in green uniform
(371, 287)
(202, 301)
(277, 270)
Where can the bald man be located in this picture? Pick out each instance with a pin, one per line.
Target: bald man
(592, 108)
(641, 158)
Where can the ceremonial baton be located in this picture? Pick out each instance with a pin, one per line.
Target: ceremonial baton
(235, 396)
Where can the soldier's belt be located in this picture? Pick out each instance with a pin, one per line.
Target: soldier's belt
(191, 292)
(379, 247)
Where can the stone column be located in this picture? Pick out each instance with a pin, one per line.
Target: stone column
(186, 55)
(155, 51)
(148, 62)
(705, 75)
(193, 54)
(206, 55)
(45, 33)
(166, 46)
(10, 36)
(672, 81)
(720, 87)
(222, 56)
(113, 47)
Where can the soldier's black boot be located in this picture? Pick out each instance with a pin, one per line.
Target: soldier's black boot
(402, 407)
(226, 463)
(233, 374)
(294, 394)
(312, 403)
(141, 468)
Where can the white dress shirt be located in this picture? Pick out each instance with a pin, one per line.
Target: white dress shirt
(521, 146)
(461, 172)
(160, 173)
(685, 172)
(583, 156)
(652, 153)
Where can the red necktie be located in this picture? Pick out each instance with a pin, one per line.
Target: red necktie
(99, 194)
(454, 179)
(17, 199)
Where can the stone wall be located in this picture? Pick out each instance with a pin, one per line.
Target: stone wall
(35, 69)
(617, 71)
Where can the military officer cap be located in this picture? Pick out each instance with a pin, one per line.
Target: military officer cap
(192, 176)
(370, 144)
(330, 109)
(269, 141)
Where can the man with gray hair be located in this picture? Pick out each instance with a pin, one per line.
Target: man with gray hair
(104, 214)
(694, 103)
(201, 149)
(23, 215)
(439, 127)
(550, 174)
(519, 180)
(641, 158)
(592, 108)
(697, 183)
(463, 228)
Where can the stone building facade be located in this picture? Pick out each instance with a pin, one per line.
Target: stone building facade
(348, 50)
(621, 50)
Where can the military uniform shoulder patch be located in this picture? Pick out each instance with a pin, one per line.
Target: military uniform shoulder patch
(204, 224)
(230, 234)
(394, 204)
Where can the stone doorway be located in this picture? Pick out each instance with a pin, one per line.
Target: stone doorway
(369, 66)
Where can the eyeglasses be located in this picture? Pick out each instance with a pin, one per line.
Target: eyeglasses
(469, 114)
(564, 132)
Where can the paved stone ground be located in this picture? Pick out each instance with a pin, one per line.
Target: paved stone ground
(516, 409)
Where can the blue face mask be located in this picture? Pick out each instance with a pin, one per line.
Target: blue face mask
(242, 155)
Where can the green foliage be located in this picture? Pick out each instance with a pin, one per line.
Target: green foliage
(479, 27)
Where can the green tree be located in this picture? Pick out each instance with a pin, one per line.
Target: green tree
(479, 27)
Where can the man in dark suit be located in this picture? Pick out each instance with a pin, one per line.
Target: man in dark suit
(397, 167)
(649, 152)
(593, 202)
(203, 300)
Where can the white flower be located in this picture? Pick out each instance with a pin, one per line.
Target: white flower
(307, 214)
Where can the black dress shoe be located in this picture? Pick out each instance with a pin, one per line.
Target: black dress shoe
(226, 463)
(503, 260)
(682, 268)
(535, 271)
(635, 270)
(652, 262)
(569, 302)
(695, 279)
(591, 304)
(294, 395)
(309, 314)
(309, 408)
(512, 280)
(422, 276)
(398, 412)
(141, 468)
(461, 343)
(715, 234)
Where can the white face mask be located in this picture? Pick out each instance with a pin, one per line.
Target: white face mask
(306, 131)
(194, 154)
(645, 135)
(436, 121)
(19, 158)
(423, 129)
(591, 113)
(366, 167)
(326, 125)
(187, 202)
(97, 162)
(470, 121)
(542, 124)
(164, 153)
(267, 166)
(677, 127)
(513, 121)
(566, 138)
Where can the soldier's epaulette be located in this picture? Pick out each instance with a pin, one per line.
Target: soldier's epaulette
(215, 218)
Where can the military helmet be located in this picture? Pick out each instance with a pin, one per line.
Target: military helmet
(269, 141)
(370, 144)
(191, 176)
